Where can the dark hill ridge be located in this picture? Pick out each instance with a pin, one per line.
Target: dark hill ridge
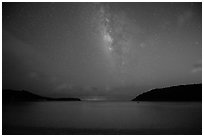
(18, 96)
(176, 93)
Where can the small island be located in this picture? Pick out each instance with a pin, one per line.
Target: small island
(191, 92)
(9, 96)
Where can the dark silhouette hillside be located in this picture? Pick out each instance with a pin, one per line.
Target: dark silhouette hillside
(177, 93)
(9, 96)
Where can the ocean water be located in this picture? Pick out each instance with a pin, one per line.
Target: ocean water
(58, 117)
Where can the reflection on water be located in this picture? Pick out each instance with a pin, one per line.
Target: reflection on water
(104, 115)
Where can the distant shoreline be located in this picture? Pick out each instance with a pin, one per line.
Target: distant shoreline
(182, 93)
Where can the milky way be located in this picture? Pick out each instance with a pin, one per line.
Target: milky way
(115, 31)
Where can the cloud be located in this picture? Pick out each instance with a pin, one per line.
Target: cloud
(64, 86)
(184, 17)
(33, 75)
(142, 45)
(197, 67)
(61, 87)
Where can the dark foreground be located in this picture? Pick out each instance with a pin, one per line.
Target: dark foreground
(69, 131)
(102, 118)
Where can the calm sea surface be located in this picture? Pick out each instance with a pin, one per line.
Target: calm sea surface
(143, 117)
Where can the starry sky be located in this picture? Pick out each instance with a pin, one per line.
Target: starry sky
(100, 51)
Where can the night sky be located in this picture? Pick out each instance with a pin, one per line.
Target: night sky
(100, 50)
